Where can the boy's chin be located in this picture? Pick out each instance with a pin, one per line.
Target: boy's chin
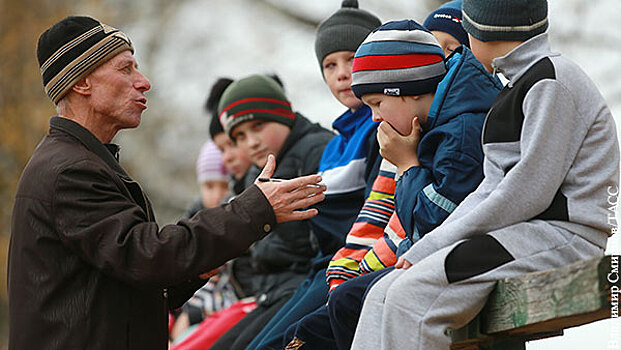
(350, 101)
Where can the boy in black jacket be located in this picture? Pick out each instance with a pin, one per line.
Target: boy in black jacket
(257, 115)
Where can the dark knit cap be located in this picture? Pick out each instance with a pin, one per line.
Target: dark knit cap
(400, 58)
(211, 105)
(345, 30)
(497, 20)
(447, 18)
(254, 97)
(73, 48)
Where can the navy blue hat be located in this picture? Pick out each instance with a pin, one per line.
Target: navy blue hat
(399, 58)
(447, 18)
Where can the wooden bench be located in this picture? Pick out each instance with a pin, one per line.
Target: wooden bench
(540, 305)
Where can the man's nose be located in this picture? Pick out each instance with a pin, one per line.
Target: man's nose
(142, 83)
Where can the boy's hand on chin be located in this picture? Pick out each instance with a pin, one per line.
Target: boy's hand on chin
(400, 150)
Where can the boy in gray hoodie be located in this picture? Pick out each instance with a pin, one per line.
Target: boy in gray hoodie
(551, 166)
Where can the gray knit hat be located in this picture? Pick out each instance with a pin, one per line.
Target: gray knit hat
(495, 20)
(345, 30)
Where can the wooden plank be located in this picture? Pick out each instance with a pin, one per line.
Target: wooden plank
(539, 304)
(577, 294)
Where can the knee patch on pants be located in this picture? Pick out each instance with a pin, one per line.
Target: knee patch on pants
(474, 257)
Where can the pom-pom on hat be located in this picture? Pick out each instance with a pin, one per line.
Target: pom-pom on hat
(498, 20)
(254, 97)
(344, 30)
(72, 48)
(447, 18)
(209, 164)
(400, 58)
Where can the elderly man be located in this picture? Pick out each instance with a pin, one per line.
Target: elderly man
(89, 268)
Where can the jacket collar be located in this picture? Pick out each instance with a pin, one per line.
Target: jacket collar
(347, 123)
(107, 152)
(519, 60)
(465, 88)
(301, 126)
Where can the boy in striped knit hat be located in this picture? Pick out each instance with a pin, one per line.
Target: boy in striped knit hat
(551, 166)
(349, 164)
(354, 259)
(431, 113)
(257, 115)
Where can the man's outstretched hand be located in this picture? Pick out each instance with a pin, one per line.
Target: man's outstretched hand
(289, 195)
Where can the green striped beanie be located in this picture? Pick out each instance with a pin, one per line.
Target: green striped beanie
(254, 97)
(72, 48)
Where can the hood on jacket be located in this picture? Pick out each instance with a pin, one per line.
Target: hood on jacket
(460, 90)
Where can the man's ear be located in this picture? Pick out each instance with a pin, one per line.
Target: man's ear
(83, 86)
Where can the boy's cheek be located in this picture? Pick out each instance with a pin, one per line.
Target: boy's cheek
(403, 129)
(260, 162)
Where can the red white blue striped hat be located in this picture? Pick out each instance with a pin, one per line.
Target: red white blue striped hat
(400, 58)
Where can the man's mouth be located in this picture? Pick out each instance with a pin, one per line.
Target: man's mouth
(142, 102)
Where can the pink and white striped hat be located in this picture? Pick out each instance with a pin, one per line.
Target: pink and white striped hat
(209, 165)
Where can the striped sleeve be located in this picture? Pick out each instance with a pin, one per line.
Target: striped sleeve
(367, 229)
(384, 252)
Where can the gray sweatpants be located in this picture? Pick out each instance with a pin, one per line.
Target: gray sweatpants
(413, 308)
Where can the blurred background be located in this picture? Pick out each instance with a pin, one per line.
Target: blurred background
(183, 46)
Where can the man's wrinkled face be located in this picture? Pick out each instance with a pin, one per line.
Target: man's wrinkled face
(117, 91)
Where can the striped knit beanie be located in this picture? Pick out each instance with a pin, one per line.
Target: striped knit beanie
(345, 30)
(254, 97)
(209, 165)
(399, 58)
(447, 19)
(72, 48)
(498, 20)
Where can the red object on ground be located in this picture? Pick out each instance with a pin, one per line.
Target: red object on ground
(214, 326)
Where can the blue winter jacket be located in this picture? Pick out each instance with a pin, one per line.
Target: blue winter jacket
(348, 165)
(450, 150)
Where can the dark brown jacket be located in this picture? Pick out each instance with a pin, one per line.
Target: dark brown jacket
(88, 266)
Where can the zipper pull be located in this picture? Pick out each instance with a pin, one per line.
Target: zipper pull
(495, 68)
